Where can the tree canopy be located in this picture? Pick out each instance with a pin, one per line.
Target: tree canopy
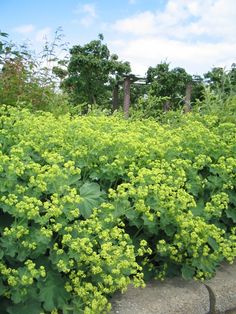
(92, 72)
(91, 75)
(168, 83)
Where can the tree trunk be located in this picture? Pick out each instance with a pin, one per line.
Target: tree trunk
(94, 100)
(166, 106)
(127, 96)
(187, 102)
(115, 103)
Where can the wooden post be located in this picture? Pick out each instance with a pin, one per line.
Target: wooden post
(166, 106)
(115, 104)
(187, 101)
(127, 83)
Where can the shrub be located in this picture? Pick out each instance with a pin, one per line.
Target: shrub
(90, 204)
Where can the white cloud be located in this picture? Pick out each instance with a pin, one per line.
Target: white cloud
(194, 34)
(24, 29)
(87, 13)
(182, 18)
(194, 57)
(89, 9)
(132, 1)
(218, 20)
(87, 21)
(43, 34)
(140, 24)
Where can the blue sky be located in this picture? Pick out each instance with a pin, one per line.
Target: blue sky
(194, 34)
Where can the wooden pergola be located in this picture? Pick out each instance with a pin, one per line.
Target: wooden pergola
(129, 79)
(126, 81)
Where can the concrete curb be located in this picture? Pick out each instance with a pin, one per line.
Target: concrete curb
(177, 296)
(223, 288)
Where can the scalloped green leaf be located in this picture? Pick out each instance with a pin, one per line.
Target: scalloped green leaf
(91, 196)
(187, 271)
(52, 292)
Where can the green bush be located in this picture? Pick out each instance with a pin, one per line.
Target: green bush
(90, 204)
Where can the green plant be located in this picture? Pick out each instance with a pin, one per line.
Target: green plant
(149, 107)
(89, 204)
(27, 80)
(91, 73)
(222, 82)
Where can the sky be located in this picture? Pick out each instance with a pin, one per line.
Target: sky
(194, 34)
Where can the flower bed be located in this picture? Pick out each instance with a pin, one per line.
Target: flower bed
(90, 204)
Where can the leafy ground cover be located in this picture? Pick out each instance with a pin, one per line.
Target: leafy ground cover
(90, 204)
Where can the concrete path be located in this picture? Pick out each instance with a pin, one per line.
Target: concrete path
(177, 296)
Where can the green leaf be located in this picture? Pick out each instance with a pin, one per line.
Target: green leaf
(10, 247)
(32, 293)
(121, 208)
(2, 287)
(151, 226)
(232, 197)
(170, 230)
(3, 34)
(212, 242)
(164, 220)
(187, 272)
(231, 213)
(199, 209)
(91, 197)
(134, 218)
(52, 292)
(30, 307)
(205, 264)
(74, 179)
(214, 182)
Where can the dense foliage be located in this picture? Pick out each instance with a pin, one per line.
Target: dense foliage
(89, 204)
(221, 81)
(168, 83)
(26, 78)
(92, 72)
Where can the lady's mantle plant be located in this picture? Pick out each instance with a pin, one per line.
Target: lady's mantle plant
(90, 204)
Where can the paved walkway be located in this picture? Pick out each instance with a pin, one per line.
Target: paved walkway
(177, 296)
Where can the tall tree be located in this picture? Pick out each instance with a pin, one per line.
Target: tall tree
(92, 72)
(168, 83)
(221, 81)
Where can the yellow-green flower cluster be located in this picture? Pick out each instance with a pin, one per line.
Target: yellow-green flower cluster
(21, 277)
(88, 250)
(90, 204)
